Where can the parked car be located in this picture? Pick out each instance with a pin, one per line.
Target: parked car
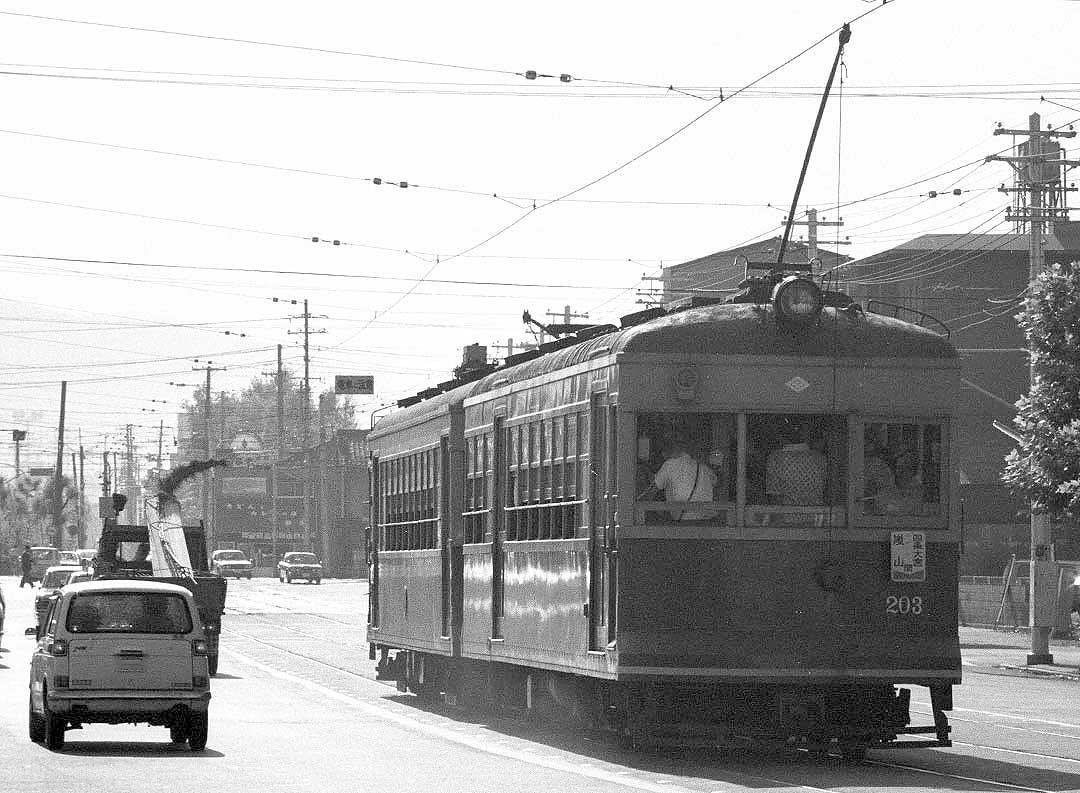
(231, 563)
(68, 557)
(299, 564)
(42, 558)
(54, 578)
(116, 652)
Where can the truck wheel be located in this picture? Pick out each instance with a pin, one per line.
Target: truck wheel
(199, 726)
(281, 576)
(318, 581)
(37, 725)
(54, 728)
(211, 663)
(288, 578)
(178, 732)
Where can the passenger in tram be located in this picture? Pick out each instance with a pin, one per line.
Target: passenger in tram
(795, 473)
(683, 477)
(905, 496)
(877, 473)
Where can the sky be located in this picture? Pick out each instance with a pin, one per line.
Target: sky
(165, 169)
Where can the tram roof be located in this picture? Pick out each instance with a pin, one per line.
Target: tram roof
(720, 329)
(744, 329)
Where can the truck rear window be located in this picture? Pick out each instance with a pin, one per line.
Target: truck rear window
(128, 612)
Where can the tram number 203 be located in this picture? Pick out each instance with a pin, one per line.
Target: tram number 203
(903, 604)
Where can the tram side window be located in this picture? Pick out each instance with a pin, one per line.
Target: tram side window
(799, 463)
(476, 464)
(541, 479)
(901, 469)
(409, 499)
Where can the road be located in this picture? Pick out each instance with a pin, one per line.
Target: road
(296, 708)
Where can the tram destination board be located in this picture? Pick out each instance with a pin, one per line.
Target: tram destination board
(354, 384)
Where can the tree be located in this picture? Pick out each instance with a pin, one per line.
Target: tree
(1046, 467)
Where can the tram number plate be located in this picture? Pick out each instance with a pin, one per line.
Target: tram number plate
(903, 604)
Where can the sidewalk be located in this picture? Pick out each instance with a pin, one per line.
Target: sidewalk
(1005, 651)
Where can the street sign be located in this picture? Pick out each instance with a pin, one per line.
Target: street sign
(354, 384)
(42, 472)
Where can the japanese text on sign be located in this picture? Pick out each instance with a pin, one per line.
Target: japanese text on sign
(354, 384)
(908, 554)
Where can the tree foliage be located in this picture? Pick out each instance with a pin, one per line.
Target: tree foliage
(254, 411)
(1046, 466)
(28, 512)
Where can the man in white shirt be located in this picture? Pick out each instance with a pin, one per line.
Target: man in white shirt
(683, 478)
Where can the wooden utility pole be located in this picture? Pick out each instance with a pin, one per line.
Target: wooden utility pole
(812, 224)
(58, 474)
(275, 525)
(208, 475)
(1038, 166)
(305, 420)
(82, 493)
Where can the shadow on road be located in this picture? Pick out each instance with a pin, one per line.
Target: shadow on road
(752, 766)
(133, 749)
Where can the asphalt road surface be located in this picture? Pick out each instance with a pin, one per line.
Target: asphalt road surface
(296, 708)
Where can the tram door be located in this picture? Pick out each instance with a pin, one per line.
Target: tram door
(601, 447)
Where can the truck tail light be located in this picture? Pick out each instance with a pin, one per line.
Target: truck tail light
(199, 681)
(60, 681)
(198, 646)
(58, 647)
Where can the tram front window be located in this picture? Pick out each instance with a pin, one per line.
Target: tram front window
(687, 461)
(901, 469)
(796, 469)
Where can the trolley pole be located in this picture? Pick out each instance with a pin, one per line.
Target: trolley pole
(1038, 167)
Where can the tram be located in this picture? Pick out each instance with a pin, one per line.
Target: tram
(514, 560)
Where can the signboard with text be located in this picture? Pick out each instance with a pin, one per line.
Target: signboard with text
(354, 384)
(908, 553)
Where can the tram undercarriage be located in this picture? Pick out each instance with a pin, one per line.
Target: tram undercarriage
(831, 718)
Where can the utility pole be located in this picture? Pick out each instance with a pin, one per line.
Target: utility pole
(279, 379)
(1038, 165)
(511, 347)
(82, 493)
(812, 223)
(18, 436)
(160, 438)
(131, 509)
(58, 480)
(305, 428)
(208, 475)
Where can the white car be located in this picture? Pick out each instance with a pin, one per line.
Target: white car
(231, 563)
(120, 652)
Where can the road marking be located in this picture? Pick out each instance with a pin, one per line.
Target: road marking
(476, 743)
(958, 776)
(1014, 717)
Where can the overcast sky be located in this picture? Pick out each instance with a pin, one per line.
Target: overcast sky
(151, 153)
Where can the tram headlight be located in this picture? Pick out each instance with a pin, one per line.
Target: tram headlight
(797, 299)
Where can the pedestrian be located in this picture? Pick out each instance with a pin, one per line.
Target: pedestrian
(683, 477)
(26, 562)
